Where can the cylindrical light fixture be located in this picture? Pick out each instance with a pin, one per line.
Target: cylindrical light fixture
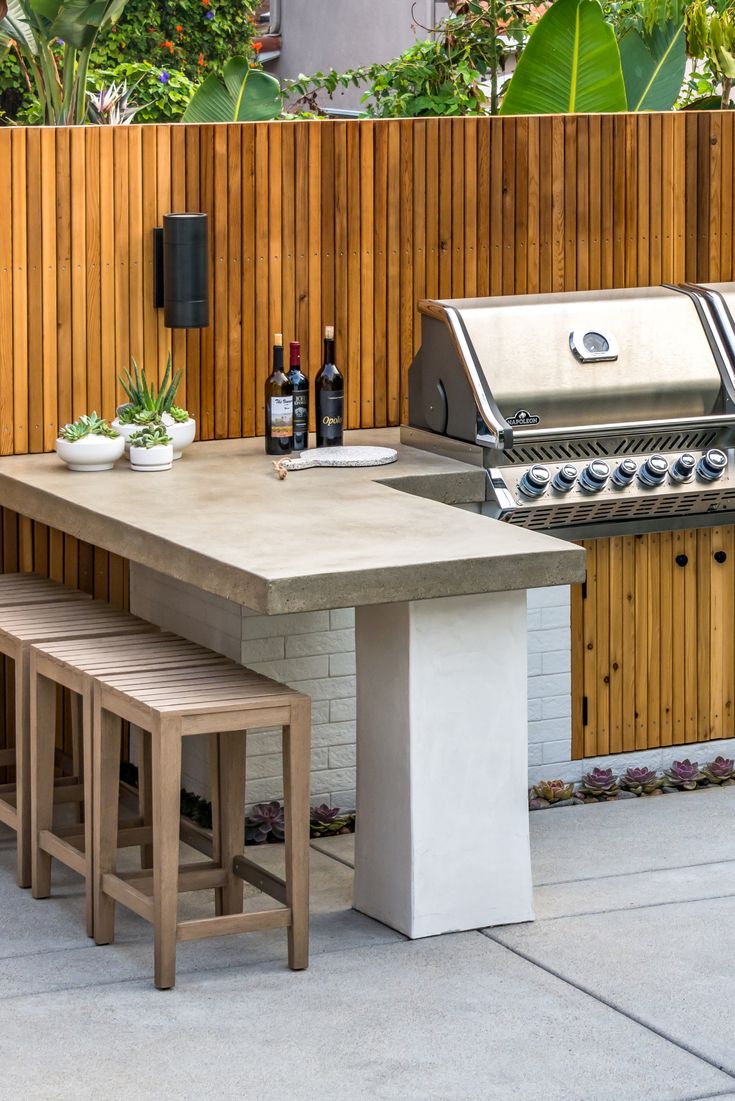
(182, 275)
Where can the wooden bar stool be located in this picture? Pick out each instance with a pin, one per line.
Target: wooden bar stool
(74, 663)
(20, 627)
(218, 698)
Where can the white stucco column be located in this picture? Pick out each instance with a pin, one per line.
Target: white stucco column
(442, 745)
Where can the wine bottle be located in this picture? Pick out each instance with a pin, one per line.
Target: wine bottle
(278, 405)
(300, 384)
(329, 392)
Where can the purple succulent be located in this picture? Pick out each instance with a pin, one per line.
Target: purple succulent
(641, 781)
(265, 823)
(684, 774)
(600, 781)
(324, 815)
(719, 770)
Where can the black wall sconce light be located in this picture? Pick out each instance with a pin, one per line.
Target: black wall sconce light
(181, 271)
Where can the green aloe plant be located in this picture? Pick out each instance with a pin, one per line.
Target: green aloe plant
(143, 395)
(241, 94)
(34, 26)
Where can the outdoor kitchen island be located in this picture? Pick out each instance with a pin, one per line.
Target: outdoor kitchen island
(440, 598)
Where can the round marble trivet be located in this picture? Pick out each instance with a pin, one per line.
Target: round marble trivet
(337, 456)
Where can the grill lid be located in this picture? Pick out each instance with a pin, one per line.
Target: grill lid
(558, 361)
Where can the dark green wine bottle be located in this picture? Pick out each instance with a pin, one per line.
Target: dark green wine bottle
(300, 384)
(278, 405)
(329, 395)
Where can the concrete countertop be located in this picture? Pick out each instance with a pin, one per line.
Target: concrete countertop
(221, 520)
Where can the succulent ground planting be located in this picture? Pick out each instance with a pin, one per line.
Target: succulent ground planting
(602, 784)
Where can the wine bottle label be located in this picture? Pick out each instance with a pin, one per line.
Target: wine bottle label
(281, 417)
(300, 410)
(330, 414)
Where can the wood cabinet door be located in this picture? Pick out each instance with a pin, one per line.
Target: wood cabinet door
(653, 642)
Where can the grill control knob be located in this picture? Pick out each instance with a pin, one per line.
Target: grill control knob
(594, 477)
(565, 478)
(683, 468)
(712, 464)
(654, 470)
(625, 473)
(534, 481)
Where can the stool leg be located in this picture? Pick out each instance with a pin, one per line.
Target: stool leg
(166, 777)
(214, 781)
(231, 814)
(43, 738)
(22, 770)
(77, 751)
(88, 780)
(296, 775)
(145, 794)
(106, 737)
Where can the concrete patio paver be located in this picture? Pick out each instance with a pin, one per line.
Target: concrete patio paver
(456, 1018)
(669, 966)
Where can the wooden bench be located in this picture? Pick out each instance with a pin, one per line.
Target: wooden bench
(20, 627)
(74, 663)
(224, 700)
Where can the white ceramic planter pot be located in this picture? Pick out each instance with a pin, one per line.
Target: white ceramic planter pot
(91, 452)
(152, 458)
(181, 432)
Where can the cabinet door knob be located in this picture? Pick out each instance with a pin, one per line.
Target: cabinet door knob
(720, 556)
(681, 559)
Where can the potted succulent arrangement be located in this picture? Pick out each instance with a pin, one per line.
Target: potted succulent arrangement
(148, 406)
(151, 448)
(89, 443)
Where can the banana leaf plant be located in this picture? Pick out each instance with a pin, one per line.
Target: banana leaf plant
(710, 31)
(573, 62)
(241, 94)
(33, 27)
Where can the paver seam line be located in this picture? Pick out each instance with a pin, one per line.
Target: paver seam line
(339, 859)
(624, 875)
(616, 1009)
(642, 906)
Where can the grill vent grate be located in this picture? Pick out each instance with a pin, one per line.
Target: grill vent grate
(567, 450)
(598, 511)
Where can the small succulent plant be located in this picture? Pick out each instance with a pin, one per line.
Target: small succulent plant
(144, 396)
(265, 823)
(600, 781)
(87, 425)
(641, 781)
(326, 820)
(553, 791)
(178, 414)
(155, 435)
(684, 774)
(130, 414)
(719, 770)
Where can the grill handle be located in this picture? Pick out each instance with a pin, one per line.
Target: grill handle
(582, 431)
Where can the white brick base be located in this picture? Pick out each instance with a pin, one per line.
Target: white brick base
(315, 652)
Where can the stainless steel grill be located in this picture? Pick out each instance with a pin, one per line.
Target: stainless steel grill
(593, 412)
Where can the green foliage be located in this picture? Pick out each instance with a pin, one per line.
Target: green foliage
(442, 74)
(189, 37)
(154, 435)
(241, 94)
(571, 63)
(158, 95)
(710, 31)
(654, 62)
(143, 395)
(87, 425)
(35, 29)
(179, 415)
